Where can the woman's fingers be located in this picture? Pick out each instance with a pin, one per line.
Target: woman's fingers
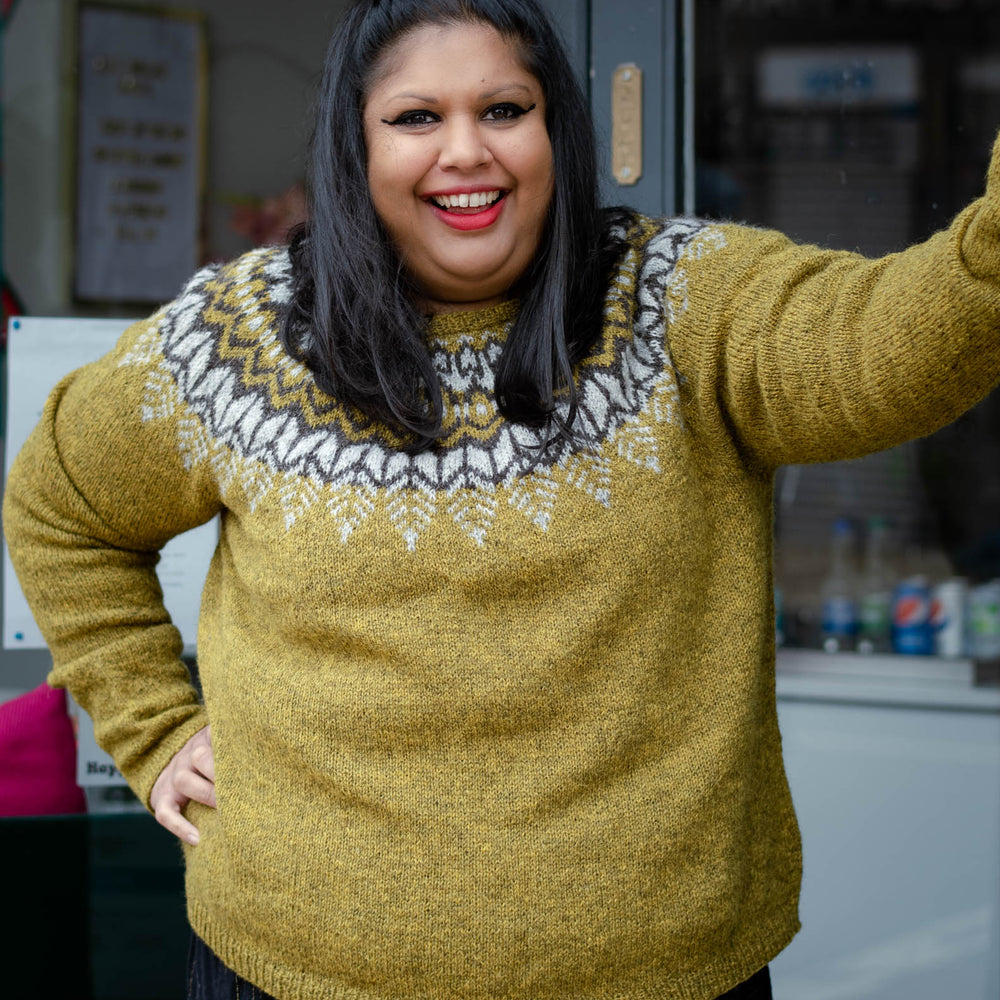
(193, 786)
(189, 777)
(204, 760)
(169, 817)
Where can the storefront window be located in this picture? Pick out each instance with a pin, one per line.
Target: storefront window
(862, 125)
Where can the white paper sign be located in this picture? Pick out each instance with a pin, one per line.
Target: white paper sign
(94, 767)
(139, 154)
(40, 352)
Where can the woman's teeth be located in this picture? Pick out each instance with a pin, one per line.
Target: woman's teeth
(479, 199)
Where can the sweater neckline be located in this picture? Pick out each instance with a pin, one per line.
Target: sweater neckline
(472, 327)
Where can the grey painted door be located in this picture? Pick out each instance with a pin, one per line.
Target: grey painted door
(601, 35)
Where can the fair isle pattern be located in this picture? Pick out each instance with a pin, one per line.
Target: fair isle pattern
(215, 366)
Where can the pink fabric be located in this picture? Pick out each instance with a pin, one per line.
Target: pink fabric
(38, 756)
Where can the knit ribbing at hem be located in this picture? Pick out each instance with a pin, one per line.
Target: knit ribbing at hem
(761, 946)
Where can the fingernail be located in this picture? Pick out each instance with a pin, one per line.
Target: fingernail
(192, 839)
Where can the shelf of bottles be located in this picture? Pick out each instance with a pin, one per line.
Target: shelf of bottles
(874, 602)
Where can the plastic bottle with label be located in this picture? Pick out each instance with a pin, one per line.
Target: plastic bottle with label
(983, 621)
(948, 610)
(839, 605)
(875, 591)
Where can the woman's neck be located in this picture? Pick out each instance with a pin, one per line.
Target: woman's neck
(434, 307)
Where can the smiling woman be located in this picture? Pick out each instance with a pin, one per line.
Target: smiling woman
(424, 100)
(459, 161)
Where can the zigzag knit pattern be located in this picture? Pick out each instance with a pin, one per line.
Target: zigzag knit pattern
(243, 405)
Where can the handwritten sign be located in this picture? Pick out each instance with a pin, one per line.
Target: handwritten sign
(140, 152)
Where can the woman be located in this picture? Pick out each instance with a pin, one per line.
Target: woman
(486, 645)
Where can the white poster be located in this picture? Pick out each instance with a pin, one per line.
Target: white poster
(40, 352)
(139, 169)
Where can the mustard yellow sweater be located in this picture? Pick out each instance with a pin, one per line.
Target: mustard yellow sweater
(486, 727)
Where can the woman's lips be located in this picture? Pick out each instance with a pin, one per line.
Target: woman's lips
(466, 219)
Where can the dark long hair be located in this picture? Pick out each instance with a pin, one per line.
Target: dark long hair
(354, 318)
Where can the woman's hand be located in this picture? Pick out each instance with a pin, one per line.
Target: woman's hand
(189, 777)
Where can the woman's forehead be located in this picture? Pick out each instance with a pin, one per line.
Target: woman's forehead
(419, 49)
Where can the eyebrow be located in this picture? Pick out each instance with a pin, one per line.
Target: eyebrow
(424, 99)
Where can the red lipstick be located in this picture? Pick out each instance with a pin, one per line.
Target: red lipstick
(467, 222)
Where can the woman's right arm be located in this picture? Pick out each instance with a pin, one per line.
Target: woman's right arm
(95, 493)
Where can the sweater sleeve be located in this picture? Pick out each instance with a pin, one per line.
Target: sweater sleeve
(794, 354)
(96, 491)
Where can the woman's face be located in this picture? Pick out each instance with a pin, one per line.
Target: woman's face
(459, 161)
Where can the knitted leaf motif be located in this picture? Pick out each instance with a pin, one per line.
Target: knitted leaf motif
(350, 507)
(146, 349)
(676, 289)
(297, 494)
(676, 295)
(637, 444)
(535, 497)
(232, 471)
(226, 468)
(706, 241)
(411, 511)
(161, 396)
(474, 513)
(192, 441)
(255, 479)
(590, 472)
(664, 405)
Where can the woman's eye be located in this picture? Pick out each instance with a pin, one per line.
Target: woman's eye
(505, 112)
(413, 119)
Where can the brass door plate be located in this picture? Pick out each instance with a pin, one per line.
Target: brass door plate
(626, 123)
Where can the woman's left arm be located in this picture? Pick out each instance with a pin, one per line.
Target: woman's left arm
(796, 354)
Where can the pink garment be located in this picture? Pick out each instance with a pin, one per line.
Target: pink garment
(38, 756)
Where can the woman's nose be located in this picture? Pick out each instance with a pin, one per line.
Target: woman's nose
(463, 145)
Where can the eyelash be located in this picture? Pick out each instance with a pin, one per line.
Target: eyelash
(506, 112)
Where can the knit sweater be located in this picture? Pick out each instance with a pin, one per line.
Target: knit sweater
(489, 721)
